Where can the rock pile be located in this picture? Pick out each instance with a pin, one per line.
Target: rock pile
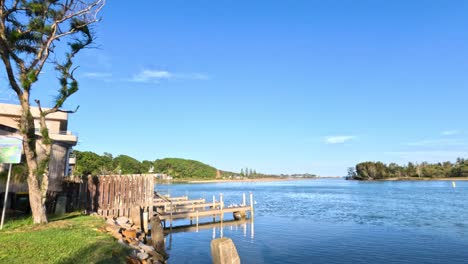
(133, 237)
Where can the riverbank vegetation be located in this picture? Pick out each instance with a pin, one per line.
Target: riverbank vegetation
(380, 171)
(70, 238)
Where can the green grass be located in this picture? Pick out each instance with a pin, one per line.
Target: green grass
(71, 238)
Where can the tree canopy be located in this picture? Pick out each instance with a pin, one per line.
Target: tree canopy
(31, 31)
(377, 170)
(90, 163)
(184, 168)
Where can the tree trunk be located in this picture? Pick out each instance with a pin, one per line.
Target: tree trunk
(36, 201)
(37, 189)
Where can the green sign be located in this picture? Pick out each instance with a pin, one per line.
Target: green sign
(10, 149)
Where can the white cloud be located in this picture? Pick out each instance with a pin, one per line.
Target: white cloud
(338, 139)
(450, 132)
(158, 75)
(148, 75)
(98, 75)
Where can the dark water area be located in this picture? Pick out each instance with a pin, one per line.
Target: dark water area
(334, 221)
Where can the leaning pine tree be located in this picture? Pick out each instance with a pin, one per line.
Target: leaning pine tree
(30, 31)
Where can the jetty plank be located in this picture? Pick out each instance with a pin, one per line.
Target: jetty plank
(175, 203)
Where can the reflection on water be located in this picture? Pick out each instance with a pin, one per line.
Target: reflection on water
(335, 221)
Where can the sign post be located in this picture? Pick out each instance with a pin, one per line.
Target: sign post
(10, 153)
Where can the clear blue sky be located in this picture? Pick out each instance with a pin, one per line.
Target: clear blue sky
(278, 86)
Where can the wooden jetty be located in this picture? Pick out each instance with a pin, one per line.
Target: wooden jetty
(176, 208)
(159, 203)
(168, 197)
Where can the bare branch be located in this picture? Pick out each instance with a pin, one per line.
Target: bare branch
(54, 109)
(11, 75)
(44, 52)
(38, 102)
(69, 111)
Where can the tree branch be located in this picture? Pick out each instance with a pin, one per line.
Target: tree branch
(54, 109)
(11, 75)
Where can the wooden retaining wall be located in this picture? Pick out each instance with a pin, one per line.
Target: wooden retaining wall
(112, 195)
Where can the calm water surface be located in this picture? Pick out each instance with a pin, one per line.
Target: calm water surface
(335, 221)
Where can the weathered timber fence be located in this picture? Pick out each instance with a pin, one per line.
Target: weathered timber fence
(112, 195)
(14, 187)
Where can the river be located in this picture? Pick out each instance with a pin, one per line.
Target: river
(335, 221)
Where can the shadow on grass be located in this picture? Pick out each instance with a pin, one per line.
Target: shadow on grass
(67, 216)
(99, 253)
(24, 220)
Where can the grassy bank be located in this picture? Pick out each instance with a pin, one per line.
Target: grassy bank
(71, 238)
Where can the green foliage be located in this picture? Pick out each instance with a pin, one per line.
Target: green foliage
(184, 169)
(146, 165)
(378, 170)
(90, 163)
(128, 165)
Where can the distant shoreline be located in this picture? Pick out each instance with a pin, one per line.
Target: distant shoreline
(269, 179)
(421, 179)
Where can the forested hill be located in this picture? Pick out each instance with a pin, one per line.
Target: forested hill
(380, 171)
(88, 162)
(184, 168)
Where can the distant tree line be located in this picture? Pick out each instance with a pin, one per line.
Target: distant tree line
(378, 170)
(252, 174)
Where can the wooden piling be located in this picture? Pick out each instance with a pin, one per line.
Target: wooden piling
(214, 207)
(197, 218)
(251, 205)
(221, 214)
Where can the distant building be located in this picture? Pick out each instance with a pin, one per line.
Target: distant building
(162, 176)
(63, 140)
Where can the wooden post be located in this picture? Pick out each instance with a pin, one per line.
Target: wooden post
(251, 205)
(89, 204)
(105, 195)
(100, 199)
(151, 195)
(111, 194)
(145, 222)
(197, 220)
(128, 194)
(121, 195)
(221, 207)
(214, 207)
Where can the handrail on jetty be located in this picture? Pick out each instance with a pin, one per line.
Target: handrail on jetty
(167, 200)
